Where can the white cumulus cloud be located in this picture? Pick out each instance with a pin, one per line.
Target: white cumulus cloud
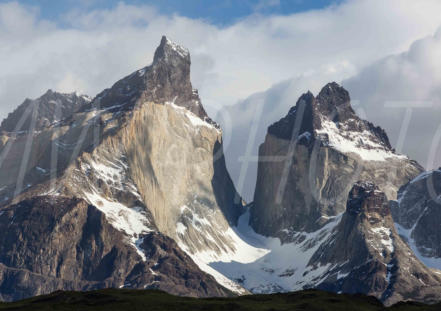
(402, 93)
(88, 51)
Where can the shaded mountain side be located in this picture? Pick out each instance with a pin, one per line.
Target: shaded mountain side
(310, 160)
(52, 243)
(366, 255)
(417, 215)
(44, 111)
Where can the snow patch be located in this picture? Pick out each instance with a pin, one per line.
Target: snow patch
(130, 221)
(362, 144)
(341, 275)
(306, 135)
(194, 119)
(389, 272)
(385, 238)
(181, 228)
(183, 52)
(142, 72)
(41, 170)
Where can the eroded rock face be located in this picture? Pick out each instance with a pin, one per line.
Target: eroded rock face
(417, 216)
(310, 160)
(365, 254)
(147, 158)
(51, 243)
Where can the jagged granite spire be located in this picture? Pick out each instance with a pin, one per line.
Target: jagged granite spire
(284, 128)
(170, 52)
(332, 104)
(167, 79)
(170, 76)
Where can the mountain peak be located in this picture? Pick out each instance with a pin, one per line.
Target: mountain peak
(170, 51)
(334, 102)
(334, 92)
(166, 80)
(51, 107)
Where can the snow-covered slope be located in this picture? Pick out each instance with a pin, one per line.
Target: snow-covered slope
(358, 251)
(276, 267)
(363, 144)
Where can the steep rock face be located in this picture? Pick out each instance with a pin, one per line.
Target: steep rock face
(57, 242)
(364, 254)
(417, 216)
(44, 111)
(167, 79)
(146, 156)
(311, 158)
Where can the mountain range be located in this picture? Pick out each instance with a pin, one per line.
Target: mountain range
(130, 189)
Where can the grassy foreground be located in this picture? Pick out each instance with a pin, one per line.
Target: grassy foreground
(132, 300)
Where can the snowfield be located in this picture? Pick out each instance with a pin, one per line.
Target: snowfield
(358, 143)
(262, 264)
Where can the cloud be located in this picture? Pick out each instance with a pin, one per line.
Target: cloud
(230, 63)
(92, 49)
(406, 88)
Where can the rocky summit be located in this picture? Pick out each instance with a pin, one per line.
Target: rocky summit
(312, 157)
(130, 190)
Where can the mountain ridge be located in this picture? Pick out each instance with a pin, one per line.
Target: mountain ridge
(44, 111)
(141, 167)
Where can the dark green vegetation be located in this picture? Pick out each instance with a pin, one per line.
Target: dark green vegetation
(113, 299)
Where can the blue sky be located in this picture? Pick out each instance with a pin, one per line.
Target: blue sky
(218, 12)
